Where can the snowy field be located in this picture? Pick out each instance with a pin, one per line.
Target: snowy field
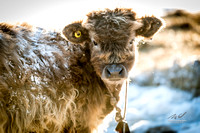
(152, 106)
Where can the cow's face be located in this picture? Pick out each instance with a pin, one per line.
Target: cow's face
(110, 35)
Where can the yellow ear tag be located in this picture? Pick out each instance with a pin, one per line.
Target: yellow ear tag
(77, 34)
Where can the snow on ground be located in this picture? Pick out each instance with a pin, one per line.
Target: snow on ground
(155, 106)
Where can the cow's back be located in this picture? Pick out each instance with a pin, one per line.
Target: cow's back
(35, 79)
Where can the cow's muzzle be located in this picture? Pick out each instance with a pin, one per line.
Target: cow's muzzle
(114, 72)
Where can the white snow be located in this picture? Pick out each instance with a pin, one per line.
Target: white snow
(152, 106)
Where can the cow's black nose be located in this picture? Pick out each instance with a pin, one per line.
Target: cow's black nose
(114, 72)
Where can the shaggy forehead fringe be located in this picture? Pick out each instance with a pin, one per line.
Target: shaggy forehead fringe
(115, 12)
(117, 15)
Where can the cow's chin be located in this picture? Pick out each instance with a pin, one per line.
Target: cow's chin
(114, 81)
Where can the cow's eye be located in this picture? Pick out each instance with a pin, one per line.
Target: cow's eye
(131, 42)
(95, 44)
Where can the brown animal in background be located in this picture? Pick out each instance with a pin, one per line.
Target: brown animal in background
(183, 20)
(50, 84)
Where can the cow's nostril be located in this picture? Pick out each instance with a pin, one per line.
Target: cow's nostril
(121, 72)
(108, 72)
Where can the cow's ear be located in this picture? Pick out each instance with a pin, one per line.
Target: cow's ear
(75, 33)
(150, 26)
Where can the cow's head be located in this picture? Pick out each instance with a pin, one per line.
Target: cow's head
(110, 35)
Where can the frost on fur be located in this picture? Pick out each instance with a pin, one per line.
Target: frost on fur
(53, 84)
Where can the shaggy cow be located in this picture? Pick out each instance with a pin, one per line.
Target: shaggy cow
(50, 84)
